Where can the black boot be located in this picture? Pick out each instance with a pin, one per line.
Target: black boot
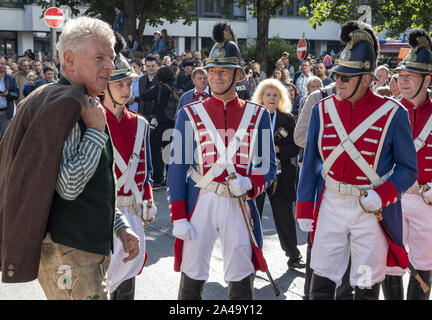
(190, 289)
(367, 293)
(242, 290)
(322, 288)
(415, 291)
(392, 288)
(125, 291)
(345, 291)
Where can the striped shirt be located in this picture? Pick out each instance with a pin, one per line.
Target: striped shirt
(79, 162)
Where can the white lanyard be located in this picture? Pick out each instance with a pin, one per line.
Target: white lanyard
(273, 121)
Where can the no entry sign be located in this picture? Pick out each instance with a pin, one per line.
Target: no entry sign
(54, 17)
(301, 48)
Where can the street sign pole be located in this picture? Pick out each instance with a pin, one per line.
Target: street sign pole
(53, 37)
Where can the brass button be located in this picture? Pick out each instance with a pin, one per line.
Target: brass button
(11, 267)
(10, 274)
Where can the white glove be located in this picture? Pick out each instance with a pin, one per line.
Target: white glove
(305, 225)
(372, 202)
(428, 194)
(183, 229)
(151, 211)
(240, 185)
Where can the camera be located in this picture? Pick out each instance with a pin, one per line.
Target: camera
(280, 134)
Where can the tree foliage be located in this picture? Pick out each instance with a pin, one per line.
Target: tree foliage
(263, 11)
(148, 12)
(276, 46)
(393, 16)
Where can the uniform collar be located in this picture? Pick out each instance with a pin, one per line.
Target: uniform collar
(366, 100)
(217, 101)
(410, 106)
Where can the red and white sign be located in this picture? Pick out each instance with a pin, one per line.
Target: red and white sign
(302, 48)
(54, 17)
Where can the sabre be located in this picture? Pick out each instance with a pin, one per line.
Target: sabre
(423, 189)
(382, 223)
(147, 221)
(251, 235)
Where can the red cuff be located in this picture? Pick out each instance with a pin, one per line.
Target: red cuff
(304, 209)
(178, 210)
(259, 184)
(387, 192)
(148, 191)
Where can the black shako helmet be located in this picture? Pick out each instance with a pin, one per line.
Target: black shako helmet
(361, 50)
(225, 52)
(419, 58)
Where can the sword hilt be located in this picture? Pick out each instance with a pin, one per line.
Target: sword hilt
(423, 189)
(147, 221)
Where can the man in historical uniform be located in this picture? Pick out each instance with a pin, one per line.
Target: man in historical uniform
(222, 156)
(359, 159)
(414, 74)
(131, 145)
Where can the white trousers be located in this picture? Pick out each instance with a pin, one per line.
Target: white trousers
(118, 271)
(418, 241)
(217, 217)
(343, 230)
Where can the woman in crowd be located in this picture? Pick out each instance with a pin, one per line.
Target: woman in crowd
(294, 96)
(279, 75)
(394, 87)
(314, 83)
(133, 48)
(272, 94)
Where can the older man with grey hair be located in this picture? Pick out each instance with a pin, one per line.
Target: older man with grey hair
(65, 163)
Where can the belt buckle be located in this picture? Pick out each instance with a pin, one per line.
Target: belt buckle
(343, 186)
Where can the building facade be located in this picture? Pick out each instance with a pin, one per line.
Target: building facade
(22, 28)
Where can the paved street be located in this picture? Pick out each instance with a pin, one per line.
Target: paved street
(159, 282)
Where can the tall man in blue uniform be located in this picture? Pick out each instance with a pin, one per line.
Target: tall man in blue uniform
(359, 159)
(213, 139)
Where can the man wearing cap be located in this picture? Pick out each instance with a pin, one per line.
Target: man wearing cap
(159, 45)
(215, 139)
(131, 145)
(359, 159)
(414, 73)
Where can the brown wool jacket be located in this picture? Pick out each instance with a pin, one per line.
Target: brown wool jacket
(30, 156)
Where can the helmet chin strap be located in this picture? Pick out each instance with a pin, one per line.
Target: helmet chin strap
(111, 96)
(355, 89)
(232, 82)
(421, 86)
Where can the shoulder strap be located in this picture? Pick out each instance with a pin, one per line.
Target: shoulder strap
(347, 141)
(420, 141)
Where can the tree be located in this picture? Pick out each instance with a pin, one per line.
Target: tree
(276, 46)
(262, 10)
(148, 12)
(393, 16)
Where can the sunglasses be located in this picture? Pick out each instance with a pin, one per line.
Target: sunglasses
(342, 77)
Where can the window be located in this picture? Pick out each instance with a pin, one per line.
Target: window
(8, 42)
(212, 8)
(11, 3)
